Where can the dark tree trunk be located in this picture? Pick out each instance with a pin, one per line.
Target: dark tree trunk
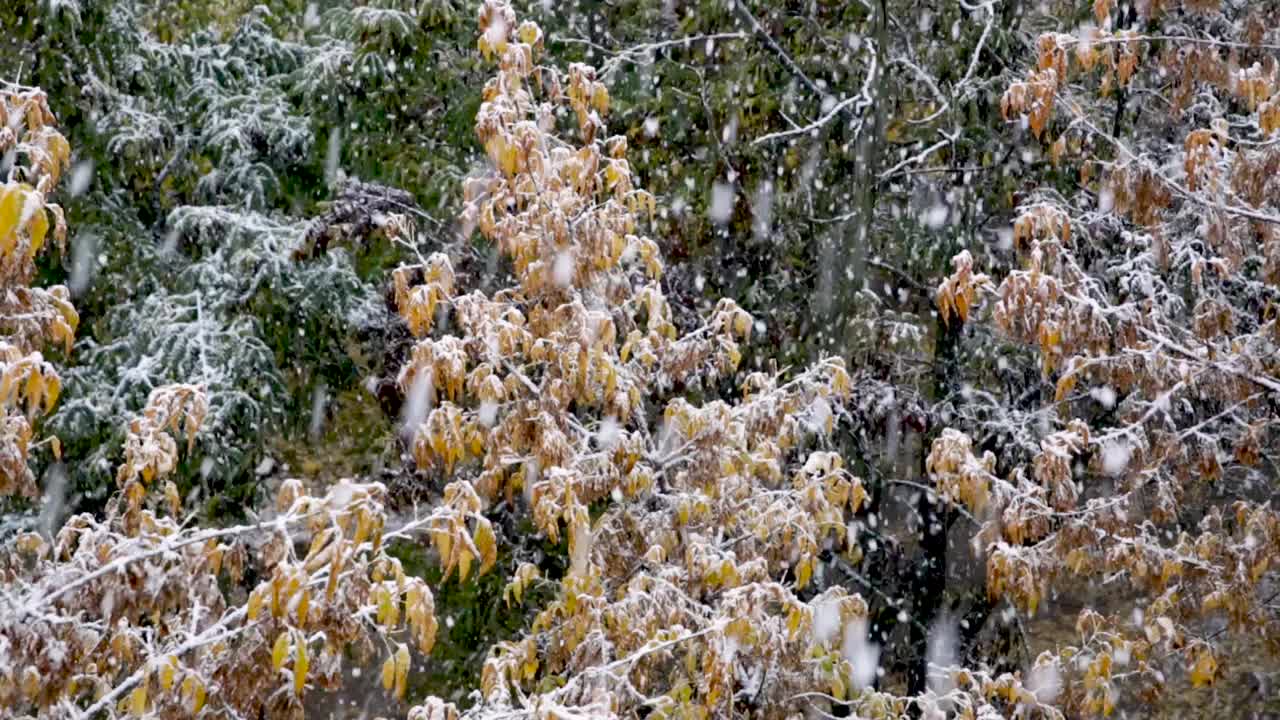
(930, 580)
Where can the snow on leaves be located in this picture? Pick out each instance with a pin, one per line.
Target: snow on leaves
(156, 632)
(1150, 298)
(30, 317)
(543, 389)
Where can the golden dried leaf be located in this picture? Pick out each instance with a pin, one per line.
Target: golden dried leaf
(304, 604)
(402, 670)
(138, 700)
(168, 667)
(300, 666)
(486, 543)
(280, 651)
(1204, 669)
(12, 200)
(389, 673)
(255, 605)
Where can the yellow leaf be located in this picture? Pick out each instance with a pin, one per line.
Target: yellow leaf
(393, 608)
(38, 228)
(189, 689)
(735, 356)
(402, 670)
(384, 605)
(1065, 384)
(255, 605)
(803, 572)
(138, 700)
(167, 670)
(427, 635)
(362, 527)
(600, 98)
(444, 543)
(34, 390)
(12, 199)
(304, 603)
(389, 674)
(172, 499)
(486, 543)
(509, 158)
(300, 666)
(52, 388)
(279, 652)
(1204, 669)
(1258, 568)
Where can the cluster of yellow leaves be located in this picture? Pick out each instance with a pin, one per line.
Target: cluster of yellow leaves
(1029, 311)
(15, 446)
(542, 206)
(83, 545)
(1140, 193)
(955, 470)
(1106, 657)
(1014, 574)
(1201, 154)
(175, 641)
(418, 303)
(346, 547)
(1033, 97)
(1010, 511)
(447, 437)
(828, 493)
(395, 672)
(1257, 83)
(29, 317)
(291, 644)
(165, 672)
(542, 388)
(150, 451)
(1052, 465)
(28, 379)
(457, 546)
(524, 576)
(48, 152)
(27, 128)
(1100, 321)
(1269, 114)
(1041, 228)
(25, 225)
(440, 366)
(957, 293)
(1203, 668)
